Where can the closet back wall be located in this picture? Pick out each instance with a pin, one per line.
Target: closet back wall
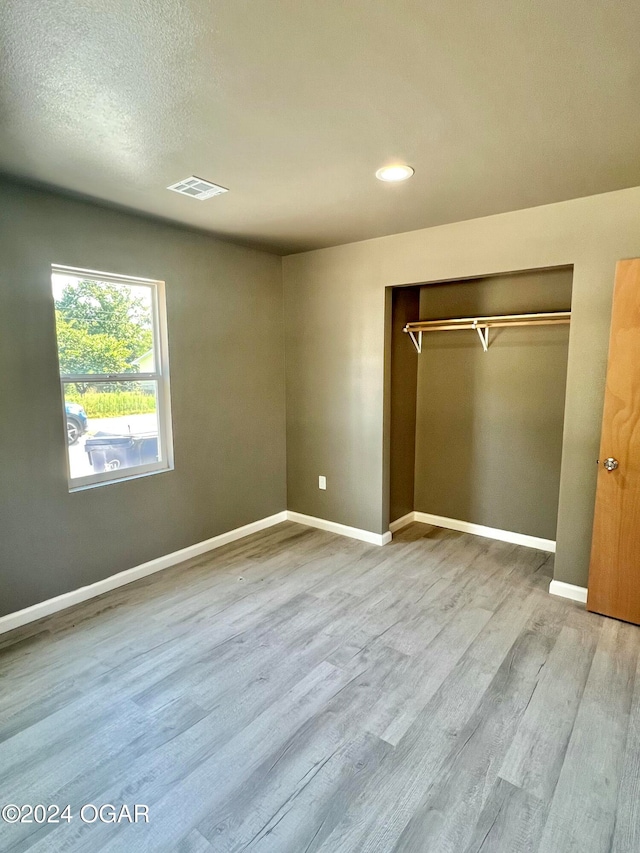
(489, 425)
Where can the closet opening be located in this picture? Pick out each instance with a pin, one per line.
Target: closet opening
(475, 419)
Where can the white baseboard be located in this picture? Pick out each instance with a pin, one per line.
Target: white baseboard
(341, 529)
(489, 532)
(568, 590)
(399, 523)
(68, 599)
(76, 596)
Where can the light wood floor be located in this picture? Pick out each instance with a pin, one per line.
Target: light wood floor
(298, 691)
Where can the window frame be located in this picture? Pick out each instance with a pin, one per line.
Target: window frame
(160, 375)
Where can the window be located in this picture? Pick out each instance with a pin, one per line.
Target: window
(114, 372)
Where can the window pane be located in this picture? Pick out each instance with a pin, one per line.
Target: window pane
(103, 327)
(111, 426)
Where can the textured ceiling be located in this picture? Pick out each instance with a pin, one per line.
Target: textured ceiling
(293, 105)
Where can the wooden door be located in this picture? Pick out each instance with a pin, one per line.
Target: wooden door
(614, 574)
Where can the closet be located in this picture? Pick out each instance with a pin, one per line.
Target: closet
(477, 376)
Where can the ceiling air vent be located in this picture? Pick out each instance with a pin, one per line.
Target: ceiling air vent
(197, 188)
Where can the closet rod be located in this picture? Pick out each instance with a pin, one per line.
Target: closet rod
(483, 324)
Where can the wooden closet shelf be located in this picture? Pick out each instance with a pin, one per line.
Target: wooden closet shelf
(483, 324)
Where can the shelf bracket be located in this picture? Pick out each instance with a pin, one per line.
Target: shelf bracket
(483, 334)
(417, 342)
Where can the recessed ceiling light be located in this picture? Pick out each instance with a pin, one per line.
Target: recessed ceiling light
(395, 173)
(197, 188)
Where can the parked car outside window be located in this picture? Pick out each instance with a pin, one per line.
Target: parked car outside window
(76, 422)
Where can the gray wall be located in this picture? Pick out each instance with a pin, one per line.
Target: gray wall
(224, 306)
(404, 307)
(338, 418)
(489, 425)
(334, 366)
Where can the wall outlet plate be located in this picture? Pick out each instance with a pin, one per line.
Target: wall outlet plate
(322, 482)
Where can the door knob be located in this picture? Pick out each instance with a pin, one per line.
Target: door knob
(610, 463)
